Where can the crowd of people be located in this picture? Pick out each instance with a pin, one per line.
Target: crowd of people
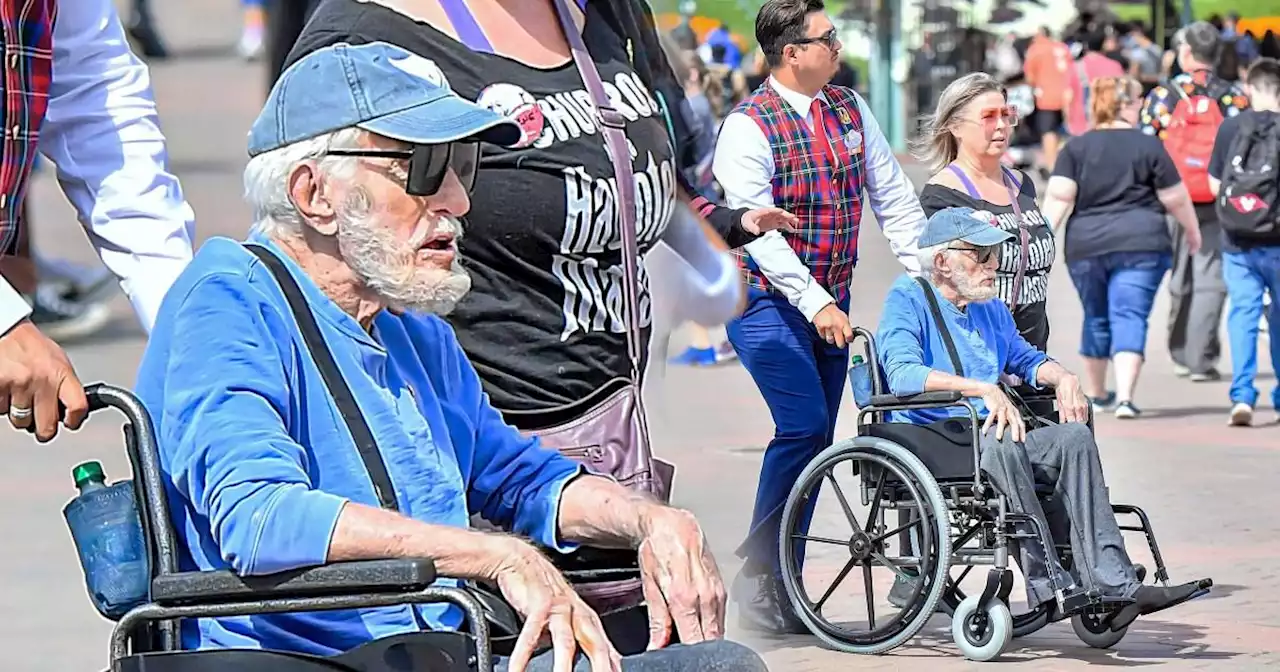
(468, 389)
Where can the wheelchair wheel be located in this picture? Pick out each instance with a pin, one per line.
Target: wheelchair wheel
(982, 634)
(1092, 631)
(889, 476)
(1024, 623)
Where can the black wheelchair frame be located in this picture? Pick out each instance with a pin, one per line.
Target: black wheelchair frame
(899, 471)
(147, 636)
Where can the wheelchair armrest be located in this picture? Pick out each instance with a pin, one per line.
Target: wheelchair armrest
(591, 564)
(917, 400)
(339, 578)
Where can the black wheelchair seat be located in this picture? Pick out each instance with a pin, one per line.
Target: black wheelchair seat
(944, 446)
(412, 652)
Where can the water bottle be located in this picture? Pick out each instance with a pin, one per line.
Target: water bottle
(107, 532)
(860, 381)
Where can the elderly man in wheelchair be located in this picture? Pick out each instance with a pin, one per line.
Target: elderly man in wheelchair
(947, 332)
(311, 408)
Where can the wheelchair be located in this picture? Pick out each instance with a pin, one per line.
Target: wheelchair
(928, 475)
(146, 638)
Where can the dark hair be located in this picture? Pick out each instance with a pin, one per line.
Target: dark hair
(1269, 46)
(1204, 41)
(783, 22)
(1228, 65)
(1094, 40)
(1264, 76)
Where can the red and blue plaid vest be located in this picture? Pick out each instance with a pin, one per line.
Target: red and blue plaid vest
(828, 202)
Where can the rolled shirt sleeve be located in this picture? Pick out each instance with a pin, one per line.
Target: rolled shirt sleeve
(103, 135)
(13, 308)
(224, 438)
(515, 482)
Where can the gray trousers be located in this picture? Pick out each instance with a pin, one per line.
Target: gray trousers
(1197, 295)
(714, 656)
(1065, 457)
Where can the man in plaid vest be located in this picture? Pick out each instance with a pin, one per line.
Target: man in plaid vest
(813, 149)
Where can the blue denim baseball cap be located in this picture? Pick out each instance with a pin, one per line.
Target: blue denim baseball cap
(377, 87)
(976, 227)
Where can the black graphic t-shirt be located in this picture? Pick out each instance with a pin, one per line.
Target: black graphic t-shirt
(544, 322)
(1031, 314)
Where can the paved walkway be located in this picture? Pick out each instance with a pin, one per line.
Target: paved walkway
(1210, 491)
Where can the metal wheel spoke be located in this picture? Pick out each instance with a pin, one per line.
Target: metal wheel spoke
(891, 565)
(871, 606)
(821, 540)
(848, 567)
(897, 530)
(875, 501)
(844, 502)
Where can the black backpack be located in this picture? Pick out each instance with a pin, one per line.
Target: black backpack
(1248, 203)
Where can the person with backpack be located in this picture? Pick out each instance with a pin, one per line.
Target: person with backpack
(1244, 174)
(1186, 112)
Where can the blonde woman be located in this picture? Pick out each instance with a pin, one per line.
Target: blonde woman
(963, 145)
(1112, 187)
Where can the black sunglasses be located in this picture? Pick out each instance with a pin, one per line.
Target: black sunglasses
(429, 164)
(981, 255)
(827, 39)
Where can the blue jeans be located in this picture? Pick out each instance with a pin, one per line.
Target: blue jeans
(1249, 275)
(1117, 291)
(802, 379)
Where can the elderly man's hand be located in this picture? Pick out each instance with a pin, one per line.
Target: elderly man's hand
(1003, 414)
(1072, 404)
(539, 592)
(682, 584)
(35, 376)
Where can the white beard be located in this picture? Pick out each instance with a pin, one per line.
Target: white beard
(389, 268)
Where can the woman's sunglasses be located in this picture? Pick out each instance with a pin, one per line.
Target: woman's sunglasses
(988, 116)
(429, 164)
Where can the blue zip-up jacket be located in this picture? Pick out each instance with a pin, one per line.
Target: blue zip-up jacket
(259, 464)
(910, 346)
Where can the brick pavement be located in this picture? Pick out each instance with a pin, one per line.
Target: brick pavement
(1210, 491)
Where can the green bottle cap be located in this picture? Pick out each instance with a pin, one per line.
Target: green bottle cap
(857, 359)
(87, 473)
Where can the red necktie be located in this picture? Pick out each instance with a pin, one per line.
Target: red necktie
(820, 131)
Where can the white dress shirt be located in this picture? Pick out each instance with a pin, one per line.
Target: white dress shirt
(102, 134)
(744, 168)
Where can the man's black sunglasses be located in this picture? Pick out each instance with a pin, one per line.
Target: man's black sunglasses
(980, 254)
(827, 39)
(429, 164)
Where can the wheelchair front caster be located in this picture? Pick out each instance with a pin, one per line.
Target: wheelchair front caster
(982, 634)
(1094, 629)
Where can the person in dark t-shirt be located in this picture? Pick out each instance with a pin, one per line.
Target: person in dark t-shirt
(544, 323)
(1250, 263)
(1118, 183)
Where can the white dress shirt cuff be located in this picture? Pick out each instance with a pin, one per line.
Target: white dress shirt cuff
(813, 299)
(13, 308)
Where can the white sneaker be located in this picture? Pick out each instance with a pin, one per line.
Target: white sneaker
(1241, 415)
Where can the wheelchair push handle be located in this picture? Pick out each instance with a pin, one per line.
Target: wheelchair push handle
(102, 396)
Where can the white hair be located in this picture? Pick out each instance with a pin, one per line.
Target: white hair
(266, 179)
(927, 255)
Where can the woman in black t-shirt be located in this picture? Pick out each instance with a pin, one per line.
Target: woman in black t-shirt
(964, 145)
(1120, 182)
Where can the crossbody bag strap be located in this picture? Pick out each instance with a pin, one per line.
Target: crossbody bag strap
(611, 124)
(941, 325)
(333, 379)
(1015, 189)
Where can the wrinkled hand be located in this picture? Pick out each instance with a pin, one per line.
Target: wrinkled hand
(682, 584)
(1003, 414)
(833, 325)
(1194, 241)
(763, 220)
(537, 590)
(1072, 404)
(35, 375)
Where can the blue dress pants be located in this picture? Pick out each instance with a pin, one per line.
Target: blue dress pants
(802, 379)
